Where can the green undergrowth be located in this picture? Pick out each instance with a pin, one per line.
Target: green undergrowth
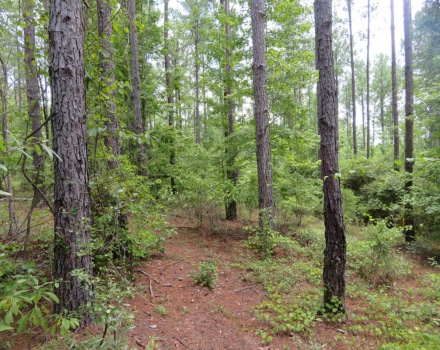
(388, 305)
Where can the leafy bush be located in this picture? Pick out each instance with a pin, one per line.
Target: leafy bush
(26, 299)
(116, 198)
(374, 258)
(206, 276)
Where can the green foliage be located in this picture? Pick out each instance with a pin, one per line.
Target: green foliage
(206, 276)
(109, 313)
(379, 189)
(417, 340)
(161, 310)
(285, 315)
(26, 299)
(115, 197)
(374, 257)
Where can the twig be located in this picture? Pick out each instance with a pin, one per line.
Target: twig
(151, 290)
(16, 199)
(248, 287)
(146, 274)
(169, 265)
(138, 342)
(186, 346)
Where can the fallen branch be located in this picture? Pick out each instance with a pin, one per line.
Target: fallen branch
(181, 342)
(16, 199)
(146, 274)
(151, 290)
(247, 287)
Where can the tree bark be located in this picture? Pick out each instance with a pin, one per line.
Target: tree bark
(72, 202)
(5, 134)
(368, 79)
(197, 87)
(409, 118)
(261, 114)
(169, 93)
(231, 172)
(335, 248)
(107, 63)
(33, 98)
(395, 111)
(136, 85)
(353, 82)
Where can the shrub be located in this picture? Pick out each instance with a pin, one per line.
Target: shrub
(374, 258)
(206, 276)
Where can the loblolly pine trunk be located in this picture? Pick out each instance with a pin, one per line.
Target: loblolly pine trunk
(335, 242)
(136, 85)
(395, 111)
(261, 115)
(231, 172)
(71, 192)
(107, 63)
(409, 118)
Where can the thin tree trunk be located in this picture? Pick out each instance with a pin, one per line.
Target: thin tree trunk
(368, 79)
(261, 114)
(33, 98)
(197, 87)
(353, 85)
(5, 133)
(394, 90)
(136, 85)
(335, 249)
(107, 63)
(363, 120)
(409, 118)
(231, 172)
(169, 93)
(72, 201)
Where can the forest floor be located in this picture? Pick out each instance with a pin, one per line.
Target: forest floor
(171, 311)
(197, 318)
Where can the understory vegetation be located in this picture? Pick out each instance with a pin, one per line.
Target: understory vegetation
(389, 303)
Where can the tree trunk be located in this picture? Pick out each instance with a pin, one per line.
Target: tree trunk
(72, 202)
(197, 87)
(335, 249)
(395, 111)
(261, 114)
(107, 63)
(353, 85)
(169, 93)
(231, 172)
(5, 133)
(409, 118)
(33, 99)
(368, 79)
(136, 85)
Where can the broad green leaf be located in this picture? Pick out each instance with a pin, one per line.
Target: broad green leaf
(4, 327)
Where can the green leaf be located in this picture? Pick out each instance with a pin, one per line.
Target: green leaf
(4, 327)
(22, 322)
(50, 152)
(3, 193)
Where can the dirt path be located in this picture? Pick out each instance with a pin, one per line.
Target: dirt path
(181, 314)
